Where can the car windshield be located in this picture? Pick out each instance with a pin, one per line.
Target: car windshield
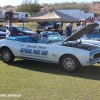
(53, 37)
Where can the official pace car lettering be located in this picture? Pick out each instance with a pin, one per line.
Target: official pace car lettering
(43, 52)
(29, 46)
(25, 50)
(34, 51)
(41, 47)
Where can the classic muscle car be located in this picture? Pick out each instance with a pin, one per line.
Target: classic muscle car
(70, 53)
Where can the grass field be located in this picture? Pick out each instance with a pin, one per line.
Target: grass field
(43, 81)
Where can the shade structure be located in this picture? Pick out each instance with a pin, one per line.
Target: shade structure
(52, 15)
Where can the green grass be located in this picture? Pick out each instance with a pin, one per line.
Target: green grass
(44, 81)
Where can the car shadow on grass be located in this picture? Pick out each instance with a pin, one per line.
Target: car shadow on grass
(88, 72)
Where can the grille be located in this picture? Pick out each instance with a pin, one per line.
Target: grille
(97, 55)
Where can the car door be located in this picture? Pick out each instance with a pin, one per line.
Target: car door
(24, 50)
(37, 51)
(33, 50)
(18, 47)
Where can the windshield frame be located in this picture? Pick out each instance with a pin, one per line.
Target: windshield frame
(52, 37)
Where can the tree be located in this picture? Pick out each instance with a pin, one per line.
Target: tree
(73, 5)
(28, 6)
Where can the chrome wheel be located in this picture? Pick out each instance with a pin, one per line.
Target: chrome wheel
(69, 64)
(6, 55)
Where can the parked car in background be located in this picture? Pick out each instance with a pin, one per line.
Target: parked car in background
(47, 26)
(18, 30)
(94, 34)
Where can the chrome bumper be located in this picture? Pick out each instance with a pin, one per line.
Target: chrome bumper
(94, 61)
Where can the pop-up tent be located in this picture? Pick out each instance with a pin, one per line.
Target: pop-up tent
(52, 15)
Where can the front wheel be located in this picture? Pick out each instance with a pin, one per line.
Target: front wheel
(69, 63)
(7, 56)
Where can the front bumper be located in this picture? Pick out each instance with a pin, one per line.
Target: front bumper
(94, 56)
(94, 61)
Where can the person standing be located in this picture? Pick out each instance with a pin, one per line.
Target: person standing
(92, 20)
(72, 28)
(69, 29)
(80, 25)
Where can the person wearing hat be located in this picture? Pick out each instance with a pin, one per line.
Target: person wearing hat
(69, 29)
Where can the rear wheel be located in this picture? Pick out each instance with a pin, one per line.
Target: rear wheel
(69, 63)
(7, 56)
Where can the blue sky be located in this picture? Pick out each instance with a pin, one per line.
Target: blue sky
(18, 2)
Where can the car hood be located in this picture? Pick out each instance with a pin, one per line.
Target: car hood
(80, 33)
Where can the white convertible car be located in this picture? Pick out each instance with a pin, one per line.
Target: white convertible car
(51, 47)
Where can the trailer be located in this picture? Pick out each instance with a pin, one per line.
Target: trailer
(17, 16)
(22, 14)
(2, 16)
(87, 15)
(76, 13)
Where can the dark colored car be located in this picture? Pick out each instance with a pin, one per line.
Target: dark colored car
(18, 30)
(94, 34)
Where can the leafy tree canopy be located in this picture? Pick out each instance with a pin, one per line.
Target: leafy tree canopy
(34, 7)
(29, 6)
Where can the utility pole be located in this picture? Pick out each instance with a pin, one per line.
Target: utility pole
(9, 16)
